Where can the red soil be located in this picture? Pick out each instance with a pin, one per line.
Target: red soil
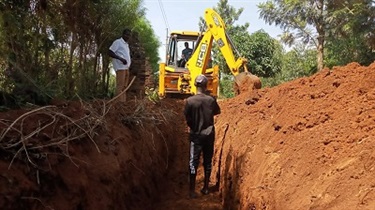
(306, 144)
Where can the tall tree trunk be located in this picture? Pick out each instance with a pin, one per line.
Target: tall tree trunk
(106, 72)
(51, 74)
(320, 54)
(87, 79)
(320, 28)
(96, 69)
(69, 73)
(80, 70)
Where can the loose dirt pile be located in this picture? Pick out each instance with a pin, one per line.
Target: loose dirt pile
(306, 144)
(86, 155)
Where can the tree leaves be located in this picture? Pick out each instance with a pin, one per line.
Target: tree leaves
(60, 47)
(317, 21)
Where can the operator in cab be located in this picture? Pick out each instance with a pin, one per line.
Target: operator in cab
(185, 55)
(199, 112)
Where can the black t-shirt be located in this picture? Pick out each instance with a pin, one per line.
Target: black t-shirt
(199, 113)
(187, 53)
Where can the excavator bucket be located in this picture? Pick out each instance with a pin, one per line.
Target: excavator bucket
(246, 81)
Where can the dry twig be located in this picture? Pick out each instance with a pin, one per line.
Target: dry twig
(124, 91)
(60, 135)
(20, 117)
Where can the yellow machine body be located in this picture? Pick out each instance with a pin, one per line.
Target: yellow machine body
(175, 80)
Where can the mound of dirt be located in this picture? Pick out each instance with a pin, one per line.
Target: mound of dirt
(74, 155)
(305, 144)
(246, 81)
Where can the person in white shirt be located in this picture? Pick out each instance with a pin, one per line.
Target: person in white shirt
(121, 60)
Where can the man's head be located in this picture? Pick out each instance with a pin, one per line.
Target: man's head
(186, 44)
(126, 33)
(201, 81)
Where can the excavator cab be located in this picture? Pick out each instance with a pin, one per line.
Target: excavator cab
(175, 77)
(176, 47)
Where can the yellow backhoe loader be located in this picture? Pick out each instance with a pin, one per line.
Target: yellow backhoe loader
(177, 77)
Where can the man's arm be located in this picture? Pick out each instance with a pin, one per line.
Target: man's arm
(216, 108)
(187, 113)
(115, 56)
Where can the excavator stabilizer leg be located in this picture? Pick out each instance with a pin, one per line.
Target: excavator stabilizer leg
(246, 81)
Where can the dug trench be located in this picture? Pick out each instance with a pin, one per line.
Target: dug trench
(96, 155)
(305, 144)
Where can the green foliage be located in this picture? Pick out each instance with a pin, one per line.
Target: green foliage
(59, 48)
(226, 86)
(152, 95)
(298, 62)
(352, 49)
(336, 32)
(301, 20)
(353, 38)
(345, 27)
(228, 13)
(263, 53)
(149, 42)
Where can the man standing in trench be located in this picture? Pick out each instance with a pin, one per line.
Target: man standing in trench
(199, 113)
(120, 53)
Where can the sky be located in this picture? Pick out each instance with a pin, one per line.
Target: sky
(184, 15)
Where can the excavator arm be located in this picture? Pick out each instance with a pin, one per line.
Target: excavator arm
(216, 31)
(216, 26)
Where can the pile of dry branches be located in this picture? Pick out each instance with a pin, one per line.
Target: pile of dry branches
(46, 130)
(51, 130)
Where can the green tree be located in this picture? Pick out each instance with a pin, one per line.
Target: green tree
(263, 53)
(54, 48)
(352, 38)
(228, 13)
(351, 49)
(297, 62)
(346, 27)
(306, 20)
(226, 88)
(149, 42)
